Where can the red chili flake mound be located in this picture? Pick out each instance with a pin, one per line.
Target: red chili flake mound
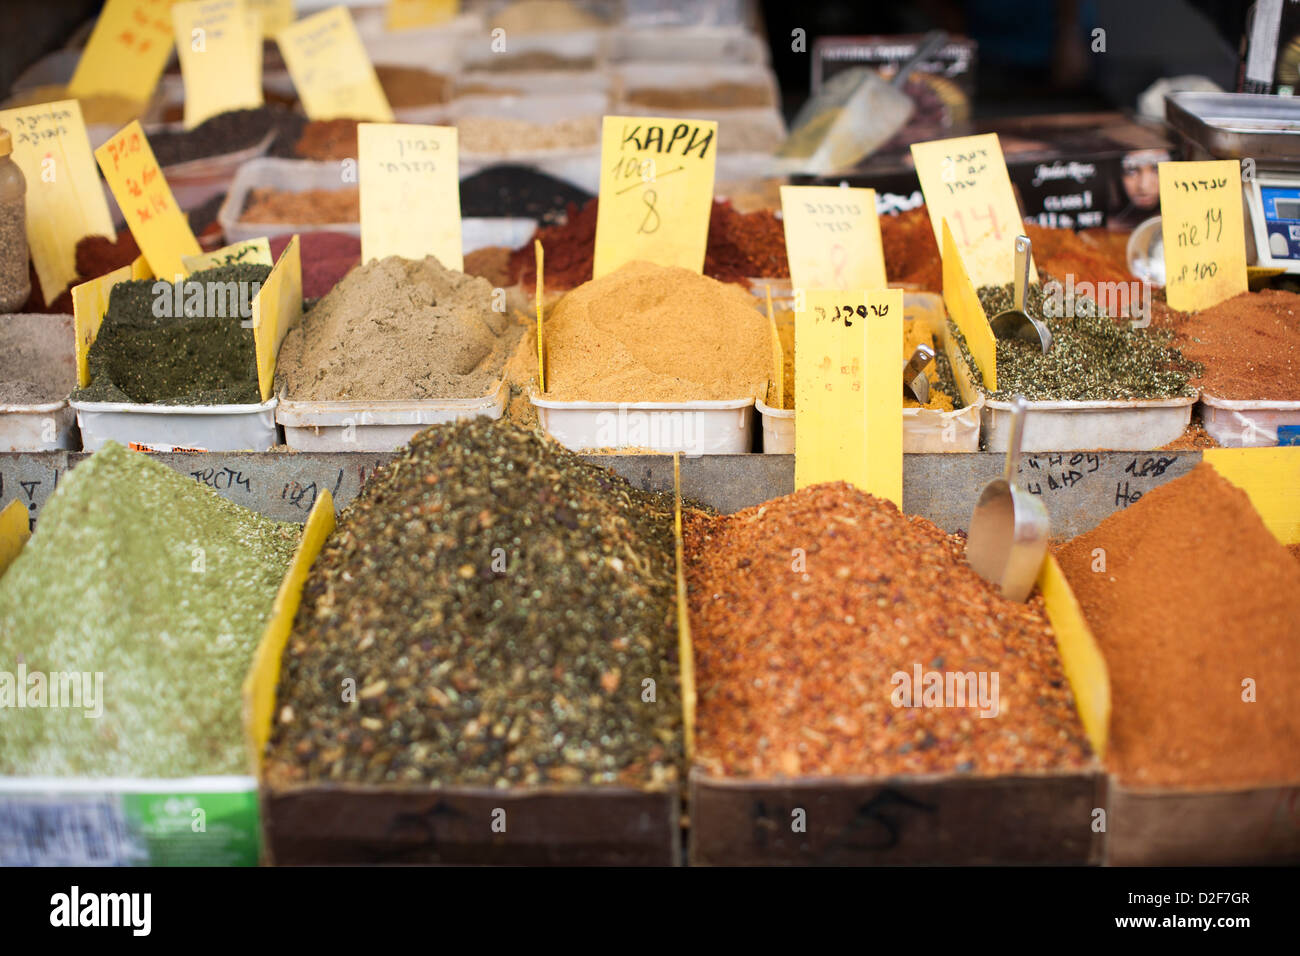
(741, 246)
(804, 610)
(911, 254)
(1195, 597)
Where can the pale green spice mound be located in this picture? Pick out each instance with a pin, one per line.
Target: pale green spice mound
(114, 581)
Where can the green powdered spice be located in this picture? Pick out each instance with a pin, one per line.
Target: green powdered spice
(141, 575)
(492, 610)
(160, 346)
(1093, 357)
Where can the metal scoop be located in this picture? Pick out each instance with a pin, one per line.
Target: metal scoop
(914, 381)
(1016, 323)
(1009, 527)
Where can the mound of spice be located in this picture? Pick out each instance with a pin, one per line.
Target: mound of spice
(808, 612)
(331, 139)
(721, 95)
(655, 333)
(37, 359)
(307, 207)
(911, 254)
(326, 258)
(500, 604)
(520, 191)
(173, 587)
(741, 246)
(228, 132)
(1189, 597)
(1093, 357)
(501, 136)
(1249, 346)
(398, 329)
(196, 352)
(406, 86)
(105, 109)
(544, 16)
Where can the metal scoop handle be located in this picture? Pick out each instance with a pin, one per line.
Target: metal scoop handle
(1023, 258)
(1018, 409)
(929, 44)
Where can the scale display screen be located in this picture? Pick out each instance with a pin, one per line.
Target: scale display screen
(1282, 220)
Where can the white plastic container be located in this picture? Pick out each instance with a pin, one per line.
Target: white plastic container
(693, 428)
(299, 175)
(377, 426)
(195, 182)
(1121, 425)
(178, 427)
(1236, 423)
(43, 426)
(687, 45)
(632, 76)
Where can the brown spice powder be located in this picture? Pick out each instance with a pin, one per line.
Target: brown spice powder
(656, 334)
(328, 140)
(309, 207)
(411, 86)
(1249, 345)
(1196, 597)
(802, 611)
(723, 95)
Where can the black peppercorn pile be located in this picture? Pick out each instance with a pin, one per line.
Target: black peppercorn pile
(496, 606)
(1093, 356)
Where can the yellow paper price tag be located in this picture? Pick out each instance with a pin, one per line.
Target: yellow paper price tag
(127, 50)
(541, 352)
(849, 390)
(656, 192)
(406, 14)
(90, 302)
(1081, 658)
(276, 310)
(64, 198)
(15, 529)
(832, 238)
(160, 228)
(331, 69)
(276, 15)
(778, 353)
(410, 193)
(965, 181)
(963, 305)
(1271, 477)
(254, 252)
(1204, 233)
(221, 57)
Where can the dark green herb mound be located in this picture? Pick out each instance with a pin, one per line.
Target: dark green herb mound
(198, 355)
(1093, 357)
(490, 611)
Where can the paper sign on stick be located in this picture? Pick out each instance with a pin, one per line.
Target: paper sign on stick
(541, 352)
(64, 198)
(127, 50)
(965, 181)
(832, 238)
(410, 193)
(1204, 233)
(405, 14)
(221, 58)
(160, 228)
(656, 192)
(276, 15)
(15, 529)
(849, 391)
(253, 252)
(276, 310)
(90, 302)
(963, 305)
(331, 69)
(778, 353)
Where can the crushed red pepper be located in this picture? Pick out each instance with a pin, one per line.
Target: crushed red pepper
(804, 609)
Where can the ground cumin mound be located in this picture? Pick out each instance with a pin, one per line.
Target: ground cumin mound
(654, 333)
(1196, 596)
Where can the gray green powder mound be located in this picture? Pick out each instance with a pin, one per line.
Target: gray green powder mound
(139, 574)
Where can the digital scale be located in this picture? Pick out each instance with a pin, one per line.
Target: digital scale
(1266, 131)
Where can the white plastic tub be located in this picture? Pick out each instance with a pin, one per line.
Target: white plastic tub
(694, 428)
(178, 427)
(299, 175)
(377, 426)
(44, 427)
(1236, 423)
(1122, 425)
(687, 45)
